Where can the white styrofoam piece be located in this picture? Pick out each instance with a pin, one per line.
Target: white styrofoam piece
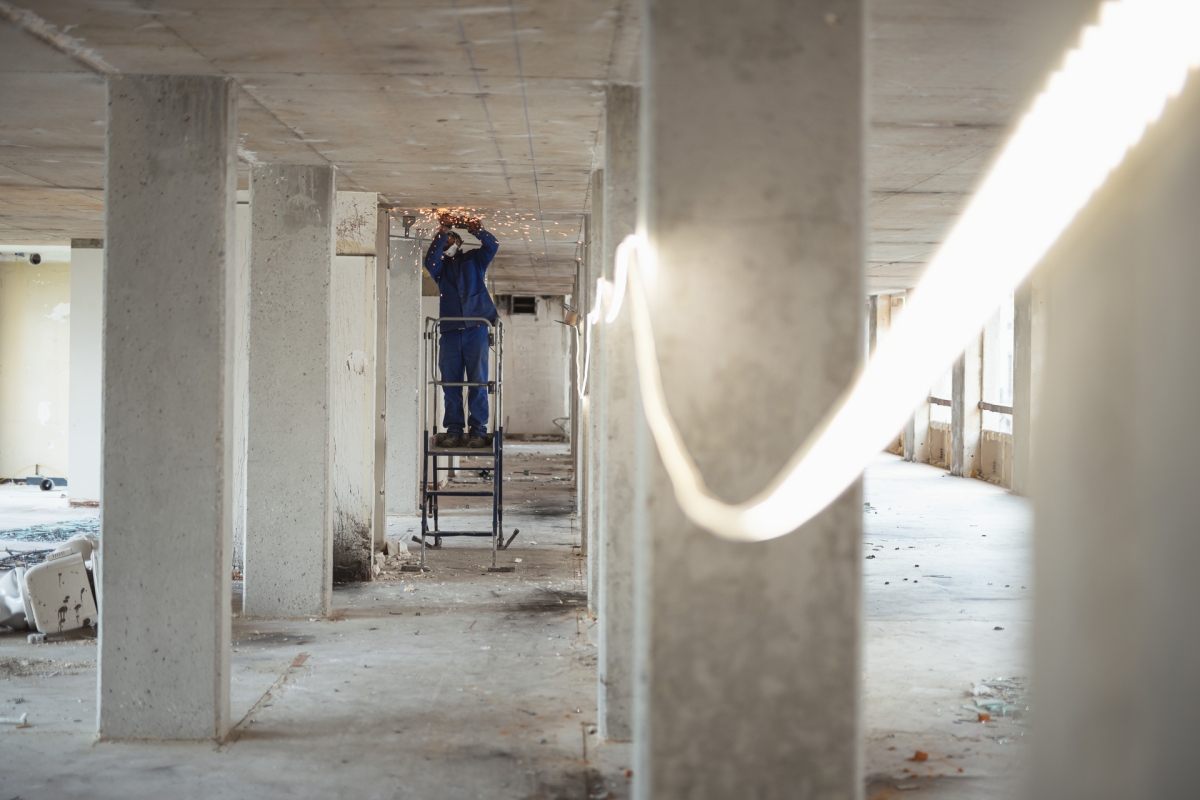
(60, 595)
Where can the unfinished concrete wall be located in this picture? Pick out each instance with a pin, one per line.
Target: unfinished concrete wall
(352, 410)
(35, 348)
(87, 320)
(939, 444)
(995, 457)
(536, 357)
(1117, 636)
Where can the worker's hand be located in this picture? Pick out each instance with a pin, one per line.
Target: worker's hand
(474, 226)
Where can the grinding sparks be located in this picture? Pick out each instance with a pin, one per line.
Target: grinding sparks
(551, 273)
(1092, 111)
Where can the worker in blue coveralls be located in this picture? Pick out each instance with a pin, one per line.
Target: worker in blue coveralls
(464, 345)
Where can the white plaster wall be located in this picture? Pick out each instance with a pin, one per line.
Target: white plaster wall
(35, 332)
(87, 318)
(537, 352)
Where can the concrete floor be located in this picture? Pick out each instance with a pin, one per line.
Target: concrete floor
(948, 602)
(464, 684)
(22, 506)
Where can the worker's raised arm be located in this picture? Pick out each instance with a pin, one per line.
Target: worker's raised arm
(487, 250)
(433, 256)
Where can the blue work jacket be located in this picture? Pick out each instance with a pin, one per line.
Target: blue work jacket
(460, 279)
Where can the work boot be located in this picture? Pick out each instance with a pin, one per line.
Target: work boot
(448, 440)
(477, 441)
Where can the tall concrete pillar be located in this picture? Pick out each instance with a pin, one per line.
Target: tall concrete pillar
(289, 492)
(404, 380)
(382, 246)
(916, 436)
(872, 323)
(582, 467)
(573, 388)
(622, 417)
(748, 654)
(596, 420)
(966, 418)
(87, 321)
(1029, 348)
(353, 372)
(240, 309)
(916, 432)
(168, 407)
(1116, 635)
(879, 319)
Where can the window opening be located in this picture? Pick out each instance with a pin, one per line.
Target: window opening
(942, 390)
(998, 344)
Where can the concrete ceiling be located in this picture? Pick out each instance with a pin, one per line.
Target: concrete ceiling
(491, 106)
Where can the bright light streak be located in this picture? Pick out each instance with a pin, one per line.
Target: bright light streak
(593, 318)
(1092, 111)
(621, 274)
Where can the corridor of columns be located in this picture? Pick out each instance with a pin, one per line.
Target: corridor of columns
(598, 399)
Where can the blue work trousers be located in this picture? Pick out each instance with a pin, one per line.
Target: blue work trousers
(462, 353)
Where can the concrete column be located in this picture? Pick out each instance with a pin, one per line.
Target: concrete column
(622, 415)
(240, 308)
(916, 436)
(573, 389)
(87, 319)
(881, 315)
(879, 319)
(353, 408)
(596, 419)
(872, 323)
(289, 492)
(583, 468)
(748, 654)
(382, 245)
(168, 407)
(1029, 335)
(916, 432)
(1117, 636)
(404, 379)
(966, 418)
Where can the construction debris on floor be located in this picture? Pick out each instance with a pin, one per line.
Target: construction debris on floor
(57, 594)
(53, 531)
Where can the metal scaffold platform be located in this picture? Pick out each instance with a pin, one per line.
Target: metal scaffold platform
(437, 460)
